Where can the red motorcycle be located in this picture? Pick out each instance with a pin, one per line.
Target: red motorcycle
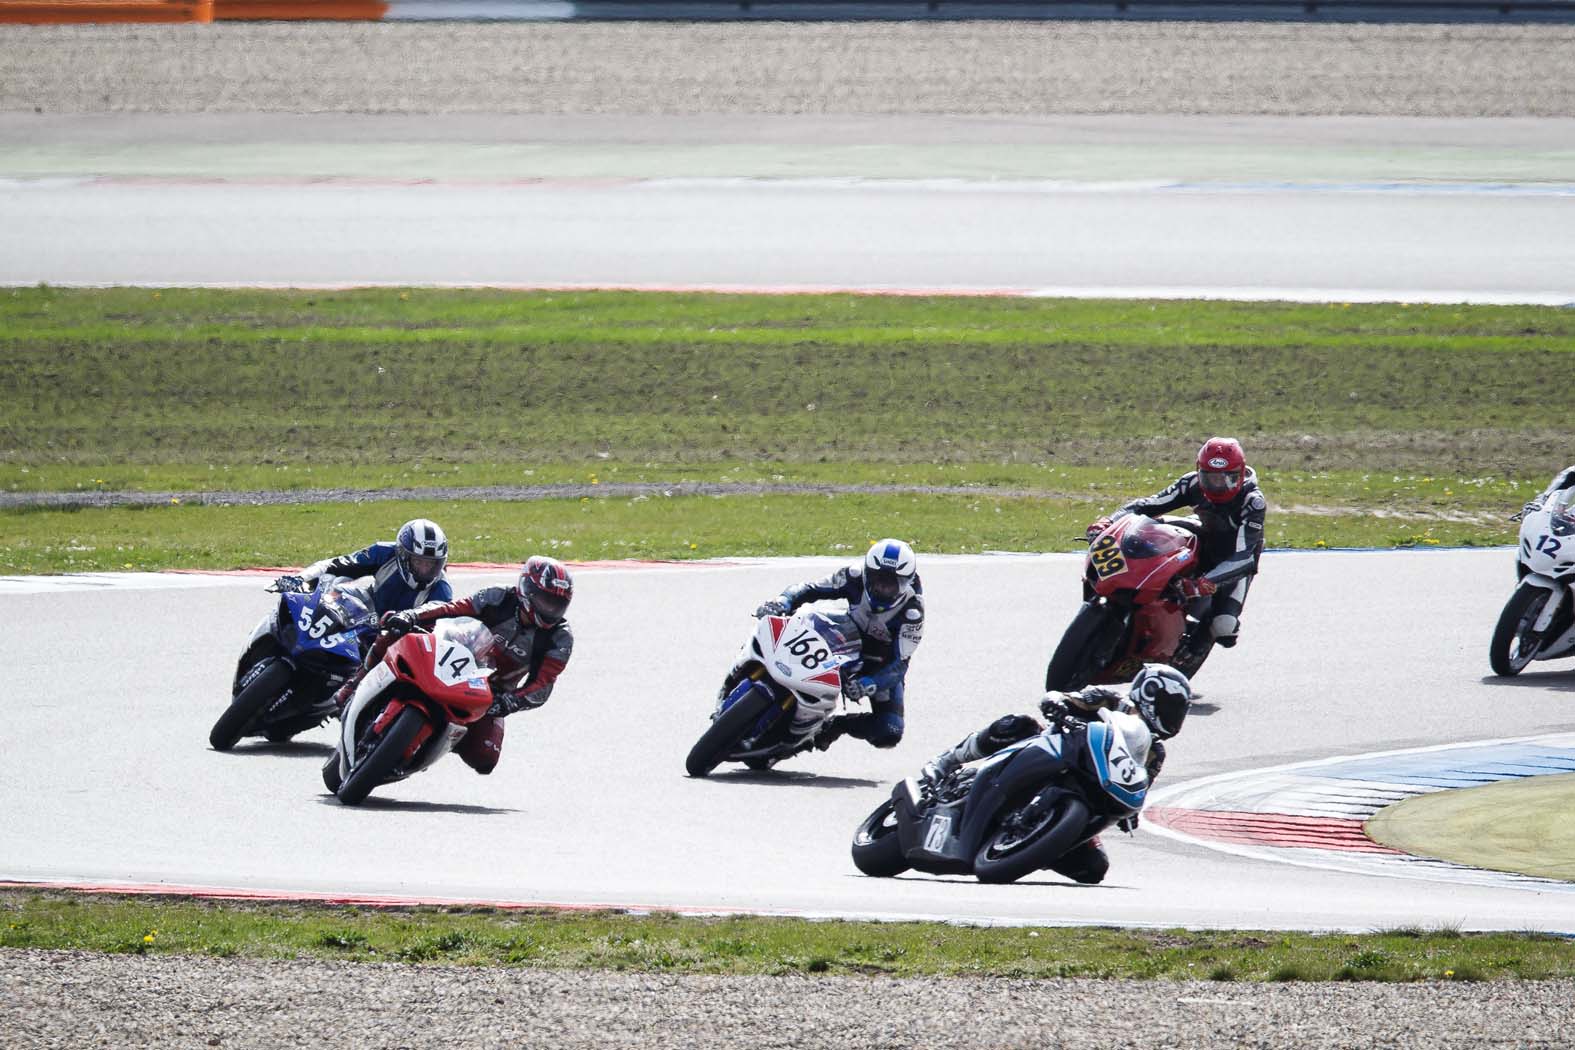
(412, 708)
(1134, 611)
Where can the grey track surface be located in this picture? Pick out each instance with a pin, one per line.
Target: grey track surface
(1247, 243)
(74, 1000)
(1255, 112)
(590, 804)
(988, 68)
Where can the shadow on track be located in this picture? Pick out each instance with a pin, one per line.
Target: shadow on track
(407, 806)
(1562, 681)
(796, 778)
(1048, 880)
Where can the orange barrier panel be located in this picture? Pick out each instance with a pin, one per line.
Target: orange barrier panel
(335, 10)
(44, 12)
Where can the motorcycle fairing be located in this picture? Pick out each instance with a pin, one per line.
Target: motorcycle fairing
(949, 836)
(1118, 771)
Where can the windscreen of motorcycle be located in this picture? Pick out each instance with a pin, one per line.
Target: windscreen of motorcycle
(1561, 519)
(463, 648)
(1152, 539)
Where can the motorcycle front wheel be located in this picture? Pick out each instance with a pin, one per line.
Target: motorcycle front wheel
(876, 849)
(1029, 838)
(383, 757)
(1514, 642)
(727, 730)
(248, 704)
(1073, 664)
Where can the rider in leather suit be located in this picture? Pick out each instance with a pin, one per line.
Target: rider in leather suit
(1160, 695)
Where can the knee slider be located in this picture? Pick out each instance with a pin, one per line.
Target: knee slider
(887, 731)
(1224, 626)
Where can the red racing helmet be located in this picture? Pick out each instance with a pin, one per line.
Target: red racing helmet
(1222, 467)
(544, 590)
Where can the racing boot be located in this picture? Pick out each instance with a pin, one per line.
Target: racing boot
(831, 731)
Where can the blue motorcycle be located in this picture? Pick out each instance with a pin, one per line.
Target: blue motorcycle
(299, 655)
(1019, 811)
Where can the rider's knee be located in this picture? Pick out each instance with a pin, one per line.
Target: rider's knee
(886, 732)
(1224, 627)
(1087, 864)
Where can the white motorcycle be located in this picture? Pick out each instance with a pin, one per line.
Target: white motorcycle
(792, 682)
(1538, 621)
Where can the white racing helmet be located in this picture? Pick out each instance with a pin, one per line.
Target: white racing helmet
(889, 569)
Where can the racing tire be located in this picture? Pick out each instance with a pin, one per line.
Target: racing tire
(1071, 666)
(877, 851)
(727, 729)
(1514, 646)
(248, 704)
(1010, 853)
(382, 759)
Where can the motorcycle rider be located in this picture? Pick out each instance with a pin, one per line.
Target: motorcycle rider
(533, 646)
(1160, 695)
(1223, 492)
(1563, 481)
(405, 573)
(886, 604)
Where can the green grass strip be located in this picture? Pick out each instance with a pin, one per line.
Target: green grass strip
(189, 536)
(1467, 826)
(665, 943)
(385, 377)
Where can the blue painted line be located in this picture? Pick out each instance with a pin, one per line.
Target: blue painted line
(1467, 767)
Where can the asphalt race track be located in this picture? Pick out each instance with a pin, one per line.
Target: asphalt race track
(114, 688)
(1363, 241)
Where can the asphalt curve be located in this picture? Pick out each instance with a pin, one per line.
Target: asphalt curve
(109, 778)
(1408, 243)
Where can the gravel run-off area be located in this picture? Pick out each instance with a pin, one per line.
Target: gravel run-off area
(967, 68)
(70, 999)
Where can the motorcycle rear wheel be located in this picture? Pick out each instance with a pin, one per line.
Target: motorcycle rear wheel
(381, 760)
(1011, 851)
(876, 849)
(1514, 644)
(727, 730)
(1072, 665)
(248, 704)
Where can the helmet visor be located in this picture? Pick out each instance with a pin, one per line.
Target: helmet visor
(884, 585)
(425, 567)
(547, 608)
(1220, 482)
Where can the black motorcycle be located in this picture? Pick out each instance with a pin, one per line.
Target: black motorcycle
(298, 656)
(1019, 811)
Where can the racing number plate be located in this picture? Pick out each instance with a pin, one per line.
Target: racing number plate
(1105, 555)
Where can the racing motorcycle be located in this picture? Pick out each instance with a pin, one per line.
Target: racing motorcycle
(1133, 612)
(1538, 621)
(413, 707)
(1019, 811)
(299, 655)
(792, 683)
